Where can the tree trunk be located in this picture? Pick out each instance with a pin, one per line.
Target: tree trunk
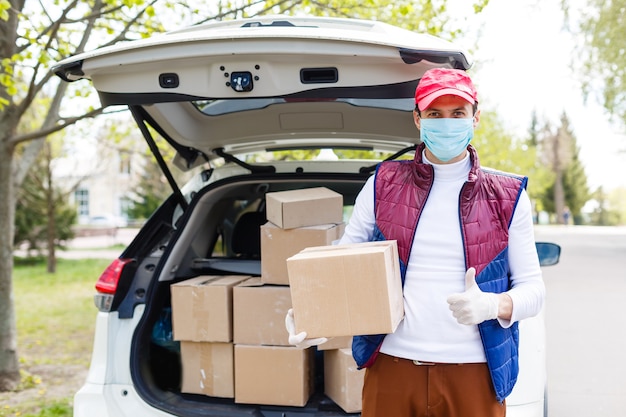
(9, 365)
(51, 212)
(559, 198)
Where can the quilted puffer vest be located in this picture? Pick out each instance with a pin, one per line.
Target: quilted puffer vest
(486, 205)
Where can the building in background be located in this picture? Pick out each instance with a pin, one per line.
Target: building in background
(100, 179)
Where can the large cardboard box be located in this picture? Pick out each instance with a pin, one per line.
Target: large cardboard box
(202, 308)
(259, 313)
(276, 375)
(343, 382)
(304, 207)
(208, 368)
(346, 290)
(279, 244)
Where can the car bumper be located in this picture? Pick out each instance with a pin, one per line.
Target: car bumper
(94, 400)
(535, 409)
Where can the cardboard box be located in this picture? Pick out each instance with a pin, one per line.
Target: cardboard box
(304, 207)
(339, 342)
(346, 290)
(202, 309)
(343, 382)
(259, 313)
(275, 375)
(208, 368)
(279, 244)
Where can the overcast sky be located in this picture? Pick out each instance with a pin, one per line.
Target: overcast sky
(523, 63)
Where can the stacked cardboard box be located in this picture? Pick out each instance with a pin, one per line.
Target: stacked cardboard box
(297, 219)
(279, 244)
(259, 313)
(208, 368)
(343, 382)
(276, 375)
(304, 207)
(202, 317)
(268, 370)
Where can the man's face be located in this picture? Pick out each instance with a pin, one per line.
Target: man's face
(448, 106)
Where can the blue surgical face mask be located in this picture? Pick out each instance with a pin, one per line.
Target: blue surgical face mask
(447, 138)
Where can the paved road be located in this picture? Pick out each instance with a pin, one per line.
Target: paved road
(586, 322)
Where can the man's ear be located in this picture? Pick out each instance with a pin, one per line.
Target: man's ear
(417, 119)
(476, 118)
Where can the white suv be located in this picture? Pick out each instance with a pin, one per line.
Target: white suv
(231, 98)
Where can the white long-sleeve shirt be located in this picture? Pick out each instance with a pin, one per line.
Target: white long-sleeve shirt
(436, 269)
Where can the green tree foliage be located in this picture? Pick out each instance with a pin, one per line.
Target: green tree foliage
(568, 190)
(33, 210)
(500, 150)
(604, 212)
(576, 189)
(601, 57)
(429, 16)
(617, 203)
(150, 192)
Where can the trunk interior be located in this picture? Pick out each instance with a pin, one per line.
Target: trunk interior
(209, 239)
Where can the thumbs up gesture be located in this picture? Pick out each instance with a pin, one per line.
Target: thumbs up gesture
(473, 306)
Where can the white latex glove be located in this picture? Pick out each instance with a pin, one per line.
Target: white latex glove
(473, 306)
(300, 340)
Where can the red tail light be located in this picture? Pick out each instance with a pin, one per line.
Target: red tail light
(107, 283)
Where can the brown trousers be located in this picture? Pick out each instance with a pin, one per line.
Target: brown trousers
(396, 387)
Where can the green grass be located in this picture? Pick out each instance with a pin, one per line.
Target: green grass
(54, 409)
(43, 408)
(55, 323)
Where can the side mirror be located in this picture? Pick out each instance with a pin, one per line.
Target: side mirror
(549, 253)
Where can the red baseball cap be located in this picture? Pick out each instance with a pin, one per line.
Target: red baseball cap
(439, 82)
